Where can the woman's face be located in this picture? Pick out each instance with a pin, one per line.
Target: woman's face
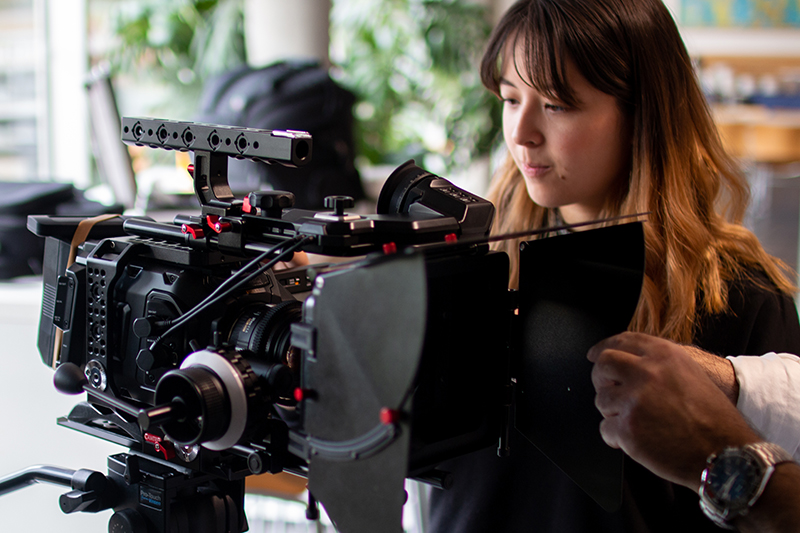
(572, 158)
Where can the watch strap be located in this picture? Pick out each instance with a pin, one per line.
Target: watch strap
(770, 453)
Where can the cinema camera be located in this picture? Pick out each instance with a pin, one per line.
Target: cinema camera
(208, 364)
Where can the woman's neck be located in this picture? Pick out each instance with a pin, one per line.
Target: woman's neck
(576, 214)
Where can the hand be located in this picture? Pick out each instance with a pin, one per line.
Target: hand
(661, 408)
(297, 260)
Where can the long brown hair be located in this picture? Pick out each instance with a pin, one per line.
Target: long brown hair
(694, 191)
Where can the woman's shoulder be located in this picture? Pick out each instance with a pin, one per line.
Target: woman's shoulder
(760, 318)
(752, 282)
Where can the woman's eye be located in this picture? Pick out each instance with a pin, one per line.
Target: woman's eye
(508, 101)
(555, 107)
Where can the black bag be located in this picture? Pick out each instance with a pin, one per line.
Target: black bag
(296, 96)
(21, 251)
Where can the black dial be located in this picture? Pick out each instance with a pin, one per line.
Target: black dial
(733, 479)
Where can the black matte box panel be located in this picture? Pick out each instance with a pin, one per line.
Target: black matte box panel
(458, 403)
(575, 290)
(370, 326)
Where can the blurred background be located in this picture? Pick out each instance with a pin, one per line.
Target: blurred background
(409, 64)
(398, 79)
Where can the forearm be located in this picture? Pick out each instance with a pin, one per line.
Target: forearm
(778, 508)
(719, 369)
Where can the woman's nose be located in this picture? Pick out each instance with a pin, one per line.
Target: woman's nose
(527, 130)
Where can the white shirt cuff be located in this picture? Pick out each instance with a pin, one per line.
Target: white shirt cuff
(769, 397)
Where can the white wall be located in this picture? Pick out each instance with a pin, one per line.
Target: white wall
(67, 63)
(30, 406)
(286, 29)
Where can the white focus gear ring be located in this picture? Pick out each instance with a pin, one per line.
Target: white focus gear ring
(231, 380)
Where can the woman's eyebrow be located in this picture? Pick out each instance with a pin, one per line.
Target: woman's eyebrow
(503, 81)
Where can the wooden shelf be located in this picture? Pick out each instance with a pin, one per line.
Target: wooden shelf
(759, 134)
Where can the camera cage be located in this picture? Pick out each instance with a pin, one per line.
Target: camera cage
(379, 374)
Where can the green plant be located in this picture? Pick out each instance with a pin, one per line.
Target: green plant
(411, 63)
(413, 67)
(177, 45)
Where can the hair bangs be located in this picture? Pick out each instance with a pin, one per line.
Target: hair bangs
(538, 50)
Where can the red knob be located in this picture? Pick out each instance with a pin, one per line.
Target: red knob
(195, 230)
(389, 416)
(215, 224)
(301, 394)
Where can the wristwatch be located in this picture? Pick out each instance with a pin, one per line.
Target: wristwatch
(734, 479)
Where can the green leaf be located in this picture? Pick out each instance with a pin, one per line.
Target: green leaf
(413, 63)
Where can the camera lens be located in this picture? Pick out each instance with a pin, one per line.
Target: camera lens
(265, 331)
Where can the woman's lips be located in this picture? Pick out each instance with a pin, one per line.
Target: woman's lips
(535, 171)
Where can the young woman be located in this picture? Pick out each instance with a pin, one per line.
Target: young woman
(603, 116)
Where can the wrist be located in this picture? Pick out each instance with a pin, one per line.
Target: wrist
(778, 508)
(735, 436)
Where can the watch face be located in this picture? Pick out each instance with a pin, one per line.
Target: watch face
(733, 479)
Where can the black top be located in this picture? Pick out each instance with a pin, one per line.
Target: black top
(526, 492)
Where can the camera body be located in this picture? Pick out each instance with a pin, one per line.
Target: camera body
(203, 360)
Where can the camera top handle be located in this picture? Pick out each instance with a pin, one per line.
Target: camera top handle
(212, 145)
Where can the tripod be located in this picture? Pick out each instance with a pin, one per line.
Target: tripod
(147, 495)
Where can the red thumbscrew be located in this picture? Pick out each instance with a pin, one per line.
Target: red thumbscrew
(390, 416)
